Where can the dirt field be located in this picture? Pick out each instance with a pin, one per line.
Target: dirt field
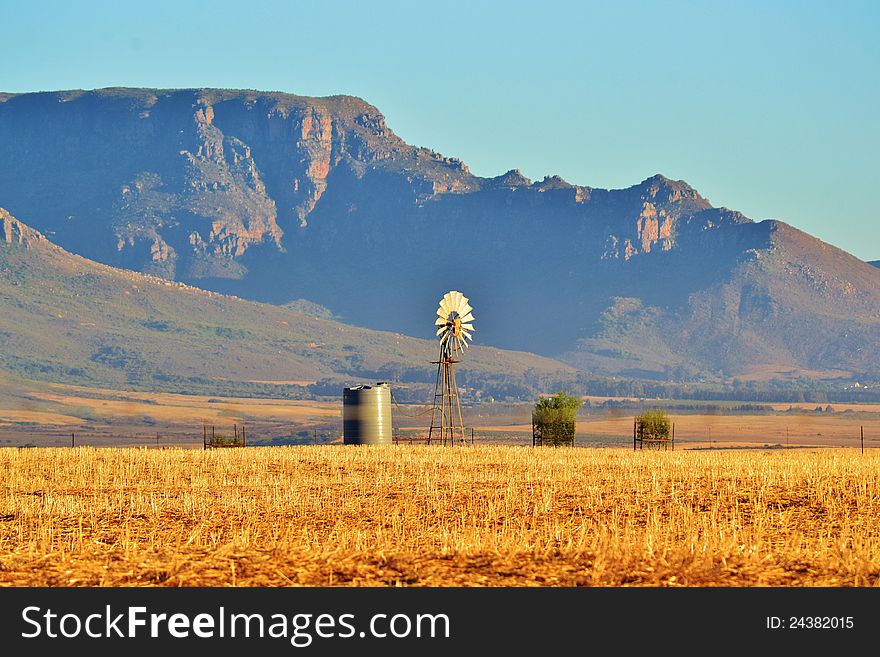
(336, 515)
(47, 415)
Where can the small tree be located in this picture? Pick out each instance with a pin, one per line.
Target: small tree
(653, 424)
(553, 420)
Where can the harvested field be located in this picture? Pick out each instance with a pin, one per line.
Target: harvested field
(414, 516)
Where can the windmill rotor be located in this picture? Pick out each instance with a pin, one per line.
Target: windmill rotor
(455, 322)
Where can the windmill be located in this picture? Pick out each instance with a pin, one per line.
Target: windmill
(454, 327)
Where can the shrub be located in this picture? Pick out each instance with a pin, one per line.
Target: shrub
(653, 424)
(553, 420)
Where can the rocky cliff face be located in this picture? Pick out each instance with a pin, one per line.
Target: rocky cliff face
(275, 197)
(184, 183)
(17, 233)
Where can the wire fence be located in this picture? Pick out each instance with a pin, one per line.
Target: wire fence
(863, 438)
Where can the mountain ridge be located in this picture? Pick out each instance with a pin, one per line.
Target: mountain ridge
(276, 198)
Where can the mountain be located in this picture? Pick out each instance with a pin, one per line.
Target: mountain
(281, 198)
(65, 318)
(876, 263)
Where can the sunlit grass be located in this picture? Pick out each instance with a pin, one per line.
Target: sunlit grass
(438, 516)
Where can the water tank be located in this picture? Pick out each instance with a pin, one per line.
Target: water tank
(366, 415)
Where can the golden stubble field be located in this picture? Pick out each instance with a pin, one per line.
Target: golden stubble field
(417, 515)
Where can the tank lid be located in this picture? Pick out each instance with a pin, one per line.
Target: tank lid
(379, 384)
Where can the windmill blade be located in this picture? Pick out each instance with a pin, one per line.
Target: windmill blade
(454, 303)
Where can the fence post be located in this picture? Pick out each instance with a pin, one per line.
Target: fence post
(73, 440)
(862, 432)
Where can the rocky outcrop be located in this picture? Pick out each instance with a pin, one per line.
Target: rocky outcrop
(19, 234)
(661, 204)
(512, 179)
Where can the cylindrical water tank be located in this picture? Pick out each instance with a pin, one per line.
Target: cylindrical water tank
(366, 415)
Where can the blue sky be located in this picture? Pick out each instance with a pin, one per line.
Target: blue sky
(770, 108)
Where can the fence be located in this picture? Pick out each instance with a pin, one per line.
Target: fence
(218, 441)
(421, 437)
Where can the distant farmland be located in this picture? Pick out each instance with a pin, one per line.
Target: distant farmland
(488, 515)
(45, 415)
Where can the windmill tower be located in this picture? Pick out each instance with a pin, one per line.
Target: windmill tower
(455, 324)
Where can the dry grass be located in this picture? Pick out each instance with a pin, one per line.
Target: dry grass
(434, 516)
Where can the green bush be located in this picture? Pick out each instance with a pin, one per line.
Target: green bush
(653, 424)
(554, 418)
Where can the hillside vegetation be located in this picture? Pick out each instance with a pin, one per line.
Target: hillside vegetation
(64, 318)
